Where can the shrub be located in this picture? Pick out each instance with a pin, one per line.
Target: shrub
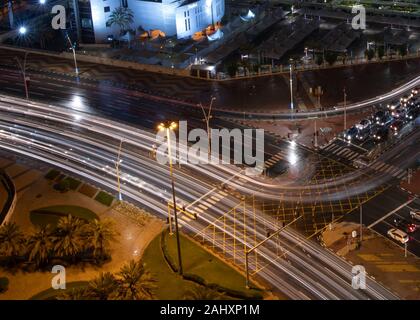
(4, 284)
(62, 186)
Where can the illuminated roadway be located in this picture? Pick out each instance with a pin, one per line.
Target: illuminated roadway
(86, 146)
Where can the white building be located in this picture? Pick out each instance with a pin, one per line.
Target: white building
(182, 18)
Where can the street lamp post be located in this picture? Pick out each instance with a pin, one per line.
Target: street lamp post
(168, 127)
(72, 47)
(207, 118)
(22, 68)
(361, 225)
(345, 109)
(291, 86)
(117, 167)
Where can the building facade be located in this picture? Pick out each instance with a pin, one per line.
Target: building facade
(182, 18)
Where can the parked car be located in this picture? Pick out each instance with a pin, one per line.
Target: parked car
(415, 214)
(398, 235)
(405, 225)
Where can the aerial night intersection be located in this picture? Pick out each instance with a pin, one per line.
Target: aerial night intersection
(242, 153)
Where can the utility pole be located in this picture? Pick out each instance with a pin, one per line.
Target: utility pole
(409, 175)
(361, 225)
(345, 109)
(117, 167)
(315, 135)
(22, 68)
(269, 237)
(168, 128)
(291, 86)
(72, 47)
(207, 118)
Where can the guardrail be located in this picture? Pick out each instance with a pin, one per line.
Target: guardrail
(10, 204)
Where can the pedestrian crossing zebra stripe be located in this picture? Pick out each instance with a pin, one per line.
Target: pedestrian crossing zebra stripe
(340, 152)
(330, 146)
(354, 156)
(389, 169)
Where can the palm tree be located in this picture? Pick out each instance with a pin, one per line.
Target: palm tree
(136, 282)
(39, 246)
(103, 287)
(201, 293)
(67, 240)
(98, 235)
(11, 241)
(122, 17)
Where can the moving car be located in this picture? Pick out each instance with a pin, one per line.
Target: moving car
(351, 133)
(415, 214)
(399, 113)
(396, 126)
(405, 225)
(412, 114)
(386, 120)
(380, 134)
(361, 162)
(394, 105)
(404, 100)
(398, 235)
(363, 129)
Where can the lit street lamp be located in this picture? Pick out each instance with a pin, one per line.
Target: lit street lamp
(117, 168)
(291, 85)
(72, 47)
(168, 127)
(207, 117)
(22, 30)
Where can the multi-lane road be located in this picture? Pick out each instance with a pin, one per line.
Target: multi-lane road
(86, 146)
(71, 132)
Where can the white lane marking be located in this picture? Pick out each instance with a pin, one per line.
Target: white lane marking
(390, 213)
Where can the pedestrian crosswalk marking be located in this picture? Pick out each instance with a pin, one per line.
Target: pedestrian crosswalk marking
(388, 168)
(274, 159)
